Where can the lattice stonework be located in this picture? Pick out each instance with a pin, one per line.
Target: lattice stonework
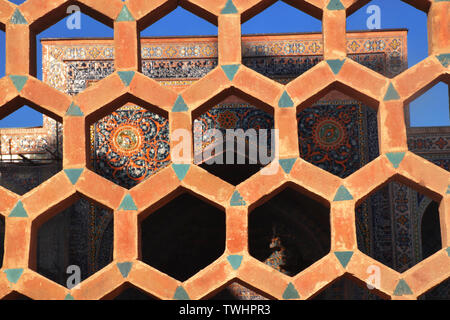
(24, 214)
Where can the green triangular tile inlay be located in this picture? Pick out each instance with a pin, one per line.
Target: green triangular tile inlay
(180, 105)
(18, 211)
(74, 111)
(285, 101)
(124, 15)
(444, 59)
(335, 5)
(343, 194)
(448, 251)
(395, 158)
(448, 190)
(235, 261)
(73, 174)
(237, 200)
(391, 93)
(402, 288)
(230, 70)
(124, 268)
(69, 297)
(181, 294)
(181, 170)
(287, 164)
(336, 65)
(13, 275)
(126, 77)
(18, 18)
(128, 204)
(290, 292)
(343, 257)
(229, 8)
(19, 81)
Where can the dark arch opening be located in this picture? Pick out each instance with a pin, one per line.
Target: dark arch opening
(431, 230)
(289, 232)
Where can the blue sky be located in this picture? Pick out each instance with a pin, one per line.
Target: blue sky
(431, 109)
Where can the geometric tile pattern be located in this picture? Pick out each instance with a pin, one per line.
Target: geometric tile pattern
(352, 78)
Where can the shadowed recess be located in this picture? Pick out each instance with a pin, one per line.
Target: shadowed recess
(80, 236)
(289, 232)
(439, 292)
(398, 226)
(346, 288)
(238, 291)
(132, 293)
(190, 232)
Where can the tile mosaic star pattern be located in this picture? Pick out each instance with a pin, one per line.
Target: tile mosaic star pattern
(16, 275)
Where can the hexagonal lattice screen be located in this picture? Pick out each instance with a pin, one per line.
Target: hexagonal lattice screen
(217, 235)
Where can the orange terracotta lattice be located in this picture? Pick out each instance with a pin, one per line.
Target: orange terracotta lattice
(24, 214)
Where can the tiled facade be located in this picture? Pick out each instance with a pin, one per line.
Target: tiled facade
(284, 75)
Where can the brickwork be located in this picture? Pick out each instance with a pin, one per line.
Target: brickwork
(24, 214)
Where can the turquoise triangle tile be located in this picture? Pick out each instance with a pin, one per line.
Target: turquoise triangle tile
(18, 211)
(230, 70)
(69, 297)
(181, 294)
(18, 81)
(444, 59)
(335, 5)
(13, 275)
(180, 105)
(285, 101)
(229, 8)
(237, 200)
(391, 93)
(124, 268)
(448, 190)
(74, 111)
(402, 288)
(128, 204)
(290, 292)
(287, 164)
(336, 65)
(235, 260)
(448, 251)
(125, 15)
(343, 257)
(18, 18)
(181, 170)
(395, 158)
(73, 174)
(343, 194)
(126, 77)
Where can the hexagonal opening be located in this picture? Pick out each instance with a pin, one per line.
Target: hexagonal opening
(165, 60)
(75, 243)
(338, 132)
(130, 292)
(70, 20)
(238, 290)
(233, 139)
(389, 54)
(439, 292)
(2, 239)
(290, 231)
(398, 225)
(284, 56)
(189, 232)
(130, 144)
(29, 141)
(348, 288)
